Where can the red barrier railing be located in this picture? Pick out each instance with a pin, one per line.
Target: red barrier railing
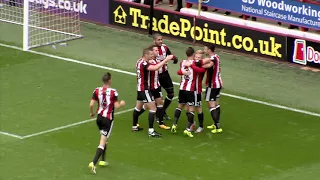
(317, 2)
(312, 1)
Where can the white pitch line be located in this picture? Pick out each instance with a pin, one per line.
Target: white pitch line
(71, 60)
(272, 105)
(11, 135)
(69, 125)
(74, 124)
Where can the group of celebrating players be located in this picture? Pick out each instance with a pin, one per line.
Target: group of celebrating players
(152, 76)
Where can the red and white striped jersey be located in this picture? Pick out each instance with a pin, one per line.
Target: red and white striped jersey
(143, 75)
(154, 77)
(164, 51)
(106, 98)
(199, 82)
(188, 82)
(213, 79)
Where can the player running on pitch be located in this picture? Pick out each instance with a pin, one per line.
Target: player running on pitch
(144, 95)
(107, 99)
(214, 85)
(164, 76)
(188, 90)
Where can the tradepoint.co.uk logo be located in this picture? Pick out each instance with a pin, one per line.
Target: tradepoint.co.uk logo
(303, 53)
(183, 27)
(68, 5)
(120, 15)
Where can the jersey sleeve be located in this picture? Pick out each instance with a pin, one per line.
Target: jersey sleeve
(115, 98)
(95, 95)
(175, 58)
(168, 50)
(145, 65)
(213, 59)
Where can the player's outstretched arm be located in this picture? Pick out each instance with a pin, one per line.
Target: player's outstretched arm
(174, 58)
(168, 58)
(198, 69)
(206, 60)
(159, 65)
(91, 105)
(120, 104)
(207, 65)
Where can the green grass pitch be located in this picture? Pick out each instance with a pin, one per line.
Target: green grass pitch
(259, 142)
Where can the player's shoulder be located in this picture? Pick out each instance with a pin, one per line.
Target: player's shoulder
(139, 60)
(144, 63)
(113, 90)
(215, 56)
(164, 45)
(96, 89)
(153, 61)
(186, 60)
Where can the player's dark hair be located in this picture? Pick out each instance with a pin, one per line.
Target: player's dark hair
(212, 47)
(189, 51)
(156, 35)
(106, 77)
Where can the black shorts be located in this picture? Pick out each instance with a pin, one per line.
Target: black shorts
(105, 125)
(198, 100)
(187, 97)
(166, 82)
(145, 96)
(156, 93)
(212, 94)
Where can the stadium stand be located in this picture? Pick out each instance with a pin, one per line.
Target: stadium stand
(165, 4)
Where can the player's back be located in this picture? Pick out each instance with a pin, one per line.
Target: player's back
(154, 76)
(143, 75)
(213, 79)
(106, 98)
(188, 82)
